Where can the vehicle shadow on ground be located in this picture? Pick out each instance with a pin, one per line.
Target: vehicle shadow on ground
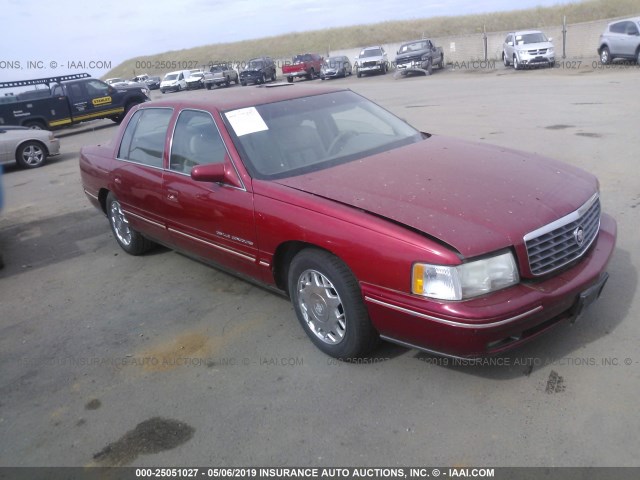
(558, 346)
(43, 242)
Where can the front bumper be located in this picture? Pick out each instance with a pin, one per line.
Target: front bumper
(170, 88)
(53, 147)
(536, 60)
(253, 77)
(371, 68)
(497, 322)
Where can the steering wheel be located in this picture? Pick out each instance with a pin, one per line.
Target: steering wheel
(340, 141)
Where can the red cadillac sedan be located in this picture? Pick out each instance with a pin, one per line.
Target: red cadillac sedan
(374, 229)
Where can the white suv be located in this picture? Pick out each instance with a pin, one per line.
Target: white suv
(528, 48)
(621, 39)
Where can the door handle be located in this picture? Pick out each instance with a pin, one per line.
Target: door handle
(172, 196)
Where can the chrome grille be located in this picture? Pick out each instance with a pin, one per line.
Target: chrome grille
(540, 51)
(564, 240)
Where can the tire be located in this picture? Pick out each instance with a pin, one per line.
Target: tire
(31, 154)
(209, 86)
(290, 79)
(237, 80)
(505, 61)
(638, 57)
(179, 87)
(273, 76)
(358, 74)
(329, 306)
(227, 82)
(442, 61)
(244, 84)
(516, 64)
(163, 92)
(383, 68)
(131, 241)
(605, 56)
(263, 79)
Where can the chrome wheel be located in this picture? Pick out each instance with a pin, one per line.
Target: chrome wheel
(32, 155)
(604, 56)
(120, 224)
(321, 307)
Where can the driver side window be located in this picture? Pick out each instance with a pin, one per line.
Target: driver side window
(196, 141)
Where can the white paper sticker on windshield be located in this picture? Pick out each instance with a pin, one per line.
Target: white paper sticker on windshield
(246, 120)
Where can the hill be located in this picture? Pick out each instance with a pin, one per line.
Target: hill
(286, 45)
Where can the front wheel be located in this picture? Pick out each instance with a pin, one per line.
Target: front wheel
(516, 63)
(130, 240)
(31, 154)
(328, 303)
(505, 61)
(605, 56)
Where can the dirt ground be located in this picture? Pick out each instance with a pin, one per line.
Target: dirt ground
(108, 359)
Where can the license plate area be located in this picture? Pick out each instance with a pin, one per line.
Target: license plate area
(586, 298)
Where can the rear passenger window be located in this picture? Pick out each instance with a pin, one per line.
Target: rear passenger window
(196, 141)
(618, 27)
(143, 140)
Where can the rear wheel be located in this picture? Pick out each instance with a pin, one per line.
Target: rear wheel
(31, 154)
(130, 240)
(290, 79)
(263, 79)
(328, 303)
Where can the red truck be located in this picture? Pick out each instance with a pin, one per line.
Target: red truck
(306, 65)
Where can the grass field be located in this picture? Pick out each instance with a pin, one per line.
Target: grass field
(322, 41)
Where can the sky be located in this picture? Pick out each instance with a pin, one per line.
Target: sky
(43, 38)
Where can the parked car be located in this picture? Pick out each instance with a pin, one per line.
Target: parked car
(116, 80)
(373, 228)
(528, 48)
(142, 78)
(220, 74)
(258, 70)
(175, 81)
(419, 56)
(337, 66)
(621, 39)
(371, 59)
(307, 65)
(195, 81)
(27, 147)
(153, 82)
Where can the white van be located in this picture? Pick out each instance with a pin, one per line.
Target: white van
(175, 81)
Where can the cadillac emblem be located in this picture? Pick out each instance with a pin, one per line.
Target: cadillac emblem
(578, 235)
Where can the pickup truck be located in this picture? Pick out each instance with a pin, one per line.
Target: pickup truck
(68, 100)
(220, 74)
(306, 65)
(418, 56)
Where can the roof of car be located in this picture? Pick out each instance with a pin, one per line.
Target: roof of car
(246, 97)
(632, 19)
(524, 32)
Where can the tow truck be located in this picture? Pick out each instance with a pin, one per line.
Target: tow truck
(67, 100)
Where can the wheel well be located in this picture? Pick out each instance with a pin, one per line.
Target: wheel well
(601, 47)
(38, 121)
(102, 198)
(282, 259)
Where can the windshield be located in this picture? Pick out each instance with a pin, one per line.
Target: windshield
(255, 65)
(371, 52)
(217, 68)
(412, 47)
(197, 75)
(335, 62)
(173, 76)
(537, 37)
(292, 137)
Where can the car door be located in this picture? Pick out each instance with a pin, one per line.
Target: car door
(91, 98)
(137, 176)
(630, 39)
(214, 221)
(616, 36)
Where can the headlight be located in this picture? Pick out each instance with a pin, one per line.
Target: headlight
(550, 50)
(464, 281)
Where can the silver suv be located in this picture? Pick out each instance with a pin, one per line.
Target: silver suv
(527, 48)
(621, 39)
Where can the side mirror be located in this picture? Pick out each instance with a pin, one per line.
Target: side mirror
(111, 90)
(550, 39)
(510, 44)
(213, 172)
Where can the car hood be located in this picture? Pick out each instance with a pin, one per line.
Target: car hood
(377, 58)
(409, 55)
(473, 197)
(535, 46)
